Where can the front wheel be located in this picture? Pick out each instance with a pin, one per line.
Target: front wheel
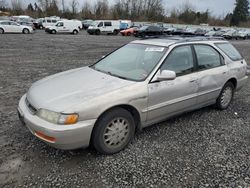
(97, 32)
(75, 32)
(1, 31)
(113, 131)
(53, 31)
(226, 96)
(26, 31)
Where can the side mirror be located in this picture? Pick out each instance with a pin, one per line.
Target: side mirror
(166, 75)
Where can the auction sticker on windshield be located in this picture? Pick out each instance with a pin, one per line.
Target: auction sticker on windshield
(154, 49)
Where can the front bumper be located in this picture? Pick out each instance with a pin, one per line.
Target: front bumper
(91, 31)
(65, 136)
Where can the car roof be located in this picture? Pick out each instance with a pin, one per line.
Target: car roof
(168, 41)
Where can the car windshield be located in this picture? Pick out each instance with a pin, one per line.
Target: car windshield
(143, 27)
(132, 61)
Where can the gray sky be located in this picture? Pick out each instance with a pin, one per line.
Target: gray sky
(216, 7)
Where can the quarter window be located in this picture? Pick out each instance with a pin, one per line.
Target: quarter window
(230, 51)
(207, 57)
(180, 61)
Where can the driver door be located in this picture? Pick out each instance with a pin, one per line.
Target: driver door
(170, 97)
(60, 27)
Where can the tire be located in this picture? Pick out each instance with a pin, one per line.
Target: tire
(226, 96)
(143, 35)
(75, 32)
(113, 131)
(115, 32)
(128, 34)
(53, 31)
(1, 31)
(97, 32)
(26, 31)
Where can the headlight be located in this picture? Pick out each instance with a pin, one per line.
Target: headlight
(57, 118)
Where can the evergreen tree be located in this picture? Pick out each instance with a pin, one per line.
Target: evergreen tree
(240, 13)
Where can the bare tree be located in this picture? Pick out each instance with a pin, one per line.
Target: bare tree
(74, 6)
(87, 10)
(17, 6)
(63, 6)
(101, 9)
(3, 4)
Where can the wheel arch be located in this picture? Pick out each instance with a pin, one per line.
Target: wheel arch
(233, 81)
(131, 109)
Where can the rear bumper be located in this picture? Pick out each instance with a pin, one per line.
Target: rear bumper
(64, 136)
(241, 82)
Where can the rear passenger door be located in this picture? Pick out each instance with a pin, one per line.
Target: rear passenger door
(212, 73)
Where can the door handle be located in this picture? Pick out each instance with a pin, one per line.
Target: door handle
(194, 80)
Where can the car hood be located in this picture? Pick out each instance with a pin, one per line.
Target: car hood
(64, 90)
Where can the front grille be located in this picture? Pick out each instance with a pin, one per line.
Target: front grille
(31, 108)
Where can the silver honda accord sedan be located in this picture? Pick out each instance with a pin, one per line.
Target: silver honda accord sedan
(137, 85)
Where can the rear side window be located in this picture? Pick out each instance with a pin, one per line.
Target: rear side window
(48, 21)
(207, 57)
(5, 23)
(107, 24)
(54, 21)
(230, 51)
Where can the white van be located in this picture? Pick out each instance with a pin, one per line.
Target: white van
(50, 21)
(64, 26)
(104, 26)
(79, 23)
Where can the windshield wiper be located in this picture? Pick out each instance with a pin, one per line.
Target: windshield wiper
(122, 77)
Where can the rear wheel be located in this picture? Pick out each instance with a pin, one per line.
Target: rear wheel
(115, 32)
(26, 31)
(1, 31)
(75, 32)
(113, 131)
(226, 96)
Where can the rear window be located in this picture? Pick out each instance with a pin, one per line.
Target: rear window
(230, 51)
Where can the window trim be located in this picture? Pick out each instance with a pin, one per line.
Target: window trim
(194, 64)
(222, 60)
(216, 44)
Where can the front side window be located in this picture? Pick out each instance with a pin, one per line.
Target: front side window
(207, 57)
(180, 60)
(100, 24)
(59, 24)
(48, 21)
(54, 21)
(230, 51)
(132, 61)
(13, 23)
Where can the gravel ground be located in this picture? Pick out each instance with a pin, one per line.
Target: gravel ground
(205, 148)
